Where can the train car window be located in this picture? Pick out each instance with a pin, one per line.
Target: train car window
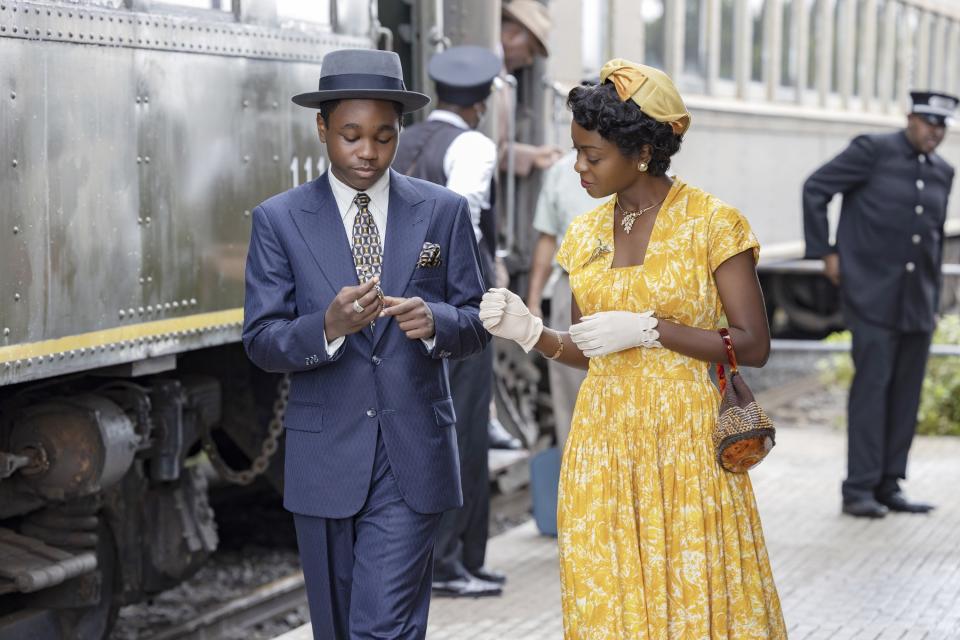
(654, 44)
(217, 5)
(758, 17)
(595, 34)
(813, 29)
(838, 37)
(352, 18)
(727, 12)
(315, 11)
(695, 45)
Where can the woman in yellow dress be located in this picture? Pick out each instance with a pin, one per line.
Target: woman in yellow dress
(656, 540)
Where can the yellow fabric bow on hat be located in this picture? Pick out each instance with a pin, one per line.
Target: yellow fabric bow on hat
(652, 90)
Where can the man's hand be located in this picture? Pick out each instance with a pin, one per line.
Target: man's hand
(413, 316)
(547, 156)
(342, 318)
(831, 268)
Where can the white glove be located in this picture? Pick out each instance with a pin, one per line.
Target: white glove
(503, 314)
(611, 331)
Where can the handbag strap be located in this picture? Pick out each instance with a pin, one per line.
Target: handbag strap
(731, 358)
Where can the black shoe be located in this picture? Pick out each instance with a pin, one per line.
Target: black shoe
(489, 575)
(898, 502)
(466, 588)
(500, 438)
(864, 508)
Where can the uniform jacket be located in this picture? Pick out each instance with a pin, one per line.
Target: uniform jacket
(299, 259)
(423, 147)
(890, 235)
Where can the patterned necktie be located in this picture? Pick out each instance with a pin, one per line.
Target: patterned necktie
(367, 253)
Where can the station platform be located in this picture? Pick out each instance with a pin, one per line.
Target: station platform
(839, 578)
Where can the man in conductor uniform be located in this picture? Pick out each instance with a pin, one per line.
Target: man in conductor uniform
(886, 260)
(361, 284)
(447, 150)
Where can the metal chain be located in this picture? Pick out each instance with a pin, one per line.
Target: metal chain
(267, 449)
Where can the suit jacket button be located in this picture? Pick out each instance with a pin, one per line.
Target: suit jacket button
(376, 360)
(371, 413)
(910, 267)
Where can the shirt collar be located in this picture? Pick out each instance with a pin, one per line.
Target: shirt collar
(344, 194)
(449, 117)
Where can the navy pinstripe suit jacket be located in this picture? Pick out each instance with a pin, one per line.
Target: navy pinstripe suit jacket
(299, 259)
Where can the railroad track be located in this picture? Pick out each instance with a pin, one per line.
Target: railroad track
(263, 603)
(281, 596)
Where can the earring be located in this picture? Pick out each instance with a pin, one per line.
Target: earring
(642, 166)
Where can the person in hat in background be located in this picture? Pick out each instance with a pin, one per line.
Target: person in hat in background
(446, 149)
(656, 539)
(360, 284)
(524, 32)
(886, 261)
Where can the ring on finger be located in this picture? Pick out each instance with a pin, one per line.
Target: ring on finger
(357, 306)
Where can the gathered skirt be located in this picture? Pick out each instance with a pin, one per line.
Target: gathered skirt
(656, 540)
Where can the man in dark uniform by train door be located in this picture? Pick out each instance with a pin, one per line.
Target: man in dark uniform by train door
(886, 261)
(446, 149)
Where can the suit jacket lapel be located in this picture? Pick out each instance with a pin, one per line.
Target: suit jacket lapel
(321, 226)
(408, 219)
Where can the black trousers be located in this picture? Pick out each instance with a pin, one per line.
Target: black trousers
(882, 410)
(462, 539)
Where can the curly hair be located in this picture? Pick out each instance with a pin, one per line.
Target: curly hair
(599, 108)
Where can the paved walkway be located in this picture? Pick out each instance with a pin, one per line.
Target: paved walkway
(839, 577)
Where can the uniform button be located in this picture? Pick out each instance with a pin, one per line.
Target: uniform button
(910, 267)
(922, 158)
(376, 360)
(920, 184)
(916, 238)
(919, 209)
(371, 413)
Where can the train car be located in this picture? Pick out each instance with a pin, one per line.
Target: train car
(135, 136)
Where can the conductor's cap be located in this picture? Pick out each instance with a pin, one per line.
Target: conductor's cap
(936, 108)
(464, 75)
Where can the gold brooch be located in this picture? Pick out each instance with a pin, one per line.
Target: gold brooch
(600, 250)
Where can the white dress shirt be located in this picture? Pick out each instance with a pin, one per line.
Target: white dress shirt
(469, 163)
(379, 193)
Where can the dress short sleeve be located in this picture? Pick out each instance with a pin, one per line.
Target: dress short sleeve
(729, 233)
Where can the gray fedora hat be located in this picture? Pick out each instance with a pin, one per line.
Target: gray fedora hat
(364, 74)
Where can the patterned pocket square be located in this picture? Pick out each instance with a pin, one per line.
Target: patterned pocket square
(429, 255)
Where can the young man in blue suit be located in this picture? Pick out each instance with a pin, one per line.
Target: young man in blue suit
(360, 285)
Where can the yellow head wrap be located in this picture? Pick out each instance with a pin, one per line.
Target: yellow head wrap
(652, 90)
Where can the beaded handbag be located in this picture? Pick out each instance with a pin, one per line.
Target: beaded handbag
(744, 434)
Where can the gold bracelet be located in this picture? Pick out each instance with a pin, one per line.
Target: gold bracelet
(559, 347)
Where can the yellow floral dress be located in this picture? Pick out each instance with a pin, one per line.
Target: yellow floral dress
(657, 541)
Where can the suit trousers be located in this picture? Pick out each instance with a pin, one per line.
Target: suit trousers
(564, 381)
(882, 409)
(368, 576)
(462, 540)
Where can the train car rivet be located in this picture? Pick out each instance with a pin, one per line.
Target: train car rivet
(246, 214)
(15, 163)
(16, 230)
(16, 297)
(6, 365)
(6, 331)
(176, 305)
(143, 281)
(276, 158)
(246, 103)
(184, 303)
(140, 310)
(146, 100)
(121, 314)
(245, 159)
(147, 220)
(147, 159)
(139, 159)
(13, 95)
(130, 311)
(149, 279)
(166, 306)
(149, 307)
(193, 301)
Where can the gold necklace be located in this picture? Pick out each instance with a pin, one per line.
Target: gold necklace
(628, 218)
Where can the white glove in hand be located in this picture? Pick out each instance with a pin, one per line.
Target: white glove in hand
(503, 314)
(611, 331)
